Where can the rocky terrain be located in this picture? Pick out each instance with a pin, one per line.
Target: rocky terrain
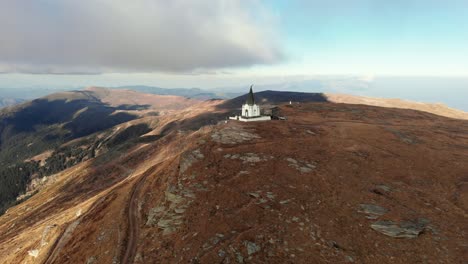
(333, 183)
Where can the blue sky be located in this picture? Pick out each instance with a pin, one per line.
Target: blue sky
(210, 44)
(409, 37)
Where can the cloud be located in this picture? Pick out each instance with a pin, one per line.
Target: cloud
(90, 36)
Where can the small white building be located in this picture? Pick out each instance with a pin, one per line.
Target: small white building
(250, 110)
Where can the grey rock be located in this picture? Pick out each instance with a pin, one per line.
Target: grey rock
(384, 188)
(405, 229)
(233, 135)
(188, 159)
(174, 198)
(239, 257)
(179, 210)
(197, 154)
(154, 214)
(206, 246)
(373, 209)
(254, 195)
(252, 248)
(164, 223)
(250, 158)
(305, 169)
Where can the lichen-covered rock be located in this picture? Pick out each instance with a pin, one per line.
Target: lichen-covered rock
(405, 229)
(302, 166)
(233, 135)
(372, 209)
(249, 157)
(252, 248)
(188, 159)
(169, 216)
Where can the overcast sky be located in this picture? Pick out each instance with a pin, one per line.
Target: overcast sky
(96, 36)
(208, 43)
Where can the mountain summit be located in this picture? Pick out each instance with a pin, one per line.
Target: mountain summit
(116, 178)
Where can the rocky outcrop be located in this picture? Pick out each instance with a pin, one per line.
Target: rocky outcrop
(169, 216)
(188, 159)
(249, 157)
(233, 135)
(302, 166)
(373, 211)
(404, 229)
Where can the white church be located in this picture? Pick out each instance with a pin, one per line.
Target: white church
(250, 110)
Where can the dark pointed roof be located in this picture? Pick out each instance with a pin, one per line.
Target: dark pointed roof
(250, 97)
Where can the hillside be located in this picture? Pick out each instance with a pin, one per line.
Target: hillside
(438, 109)
(129, 99)
(334, 183)
(81, 119)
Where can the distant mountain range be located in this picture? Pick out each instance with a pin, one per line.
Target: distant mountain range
(195, 93)
(4, 102)
(450, 91)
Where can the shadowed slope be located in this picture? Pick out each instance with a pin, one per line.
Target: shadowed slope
(274, 97)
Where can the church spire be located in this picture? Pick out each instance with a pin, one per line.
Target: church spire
(250, 97)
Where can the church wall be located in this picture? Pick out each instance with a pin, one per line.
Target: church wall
(254, 119)
(252, 110)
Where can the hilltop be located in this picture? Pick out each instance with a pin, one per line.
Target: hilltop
(334, 183)
(438, 109)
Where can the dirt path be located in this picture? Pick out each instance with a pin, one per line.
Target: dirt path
(66, 234)
(133, 218)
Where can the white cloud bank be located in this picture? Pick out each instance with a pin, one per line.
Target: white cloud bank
(94, 36)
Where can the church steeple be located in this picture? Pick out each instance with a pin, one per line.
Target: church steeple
(250, 110)
(250, 97)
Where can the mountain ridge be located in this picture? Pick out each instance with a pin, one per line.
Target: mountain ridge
(435, 108)
(330, 184)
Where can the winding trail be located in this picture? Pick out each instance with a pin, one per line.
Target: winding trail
(133, 219)
(66, 234)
